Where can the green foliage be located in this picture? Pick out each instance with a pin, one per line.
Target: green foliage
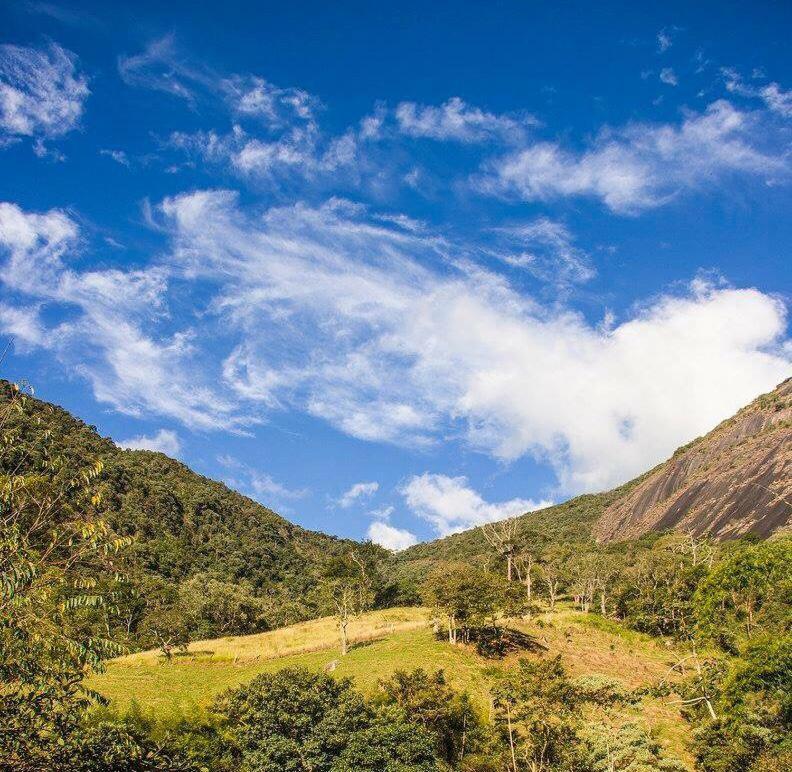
(747, 593)
(442, 712)
(471, 600)
(295, 720)
(537, 709)
(626, 748)
(182, 526)
(59, 579)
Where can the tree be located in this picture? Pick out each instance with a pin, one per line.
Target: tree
(524, 565)
(537, 708)
(749, 591)
(59, 568)
(442, 712)
(214, 608)
(349, 585)
(467, 597)
(390, 743)
(502, 537)
(298, 721)
(553, 573)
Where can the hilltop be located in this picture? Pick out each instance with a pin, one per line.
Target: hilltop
(184, 524)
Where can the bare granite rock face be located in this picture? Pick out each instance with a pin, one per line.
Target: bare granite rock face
(735, 480)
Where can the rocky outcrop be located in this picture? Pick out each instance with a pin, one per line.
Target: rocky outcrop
(735, 480)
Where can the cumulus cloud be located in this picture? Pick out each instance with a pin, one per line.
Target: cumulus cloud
(457, 121)
(42, 93)
(668, 76)
(640, 166)
(451, 505)
(164, 441)
(390, 537)
(361, 490)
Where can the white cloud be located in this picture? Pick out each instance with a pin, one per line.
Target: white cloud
(547, 250)
(361, 490)
(668, 76)
(390, 537)
(455, 120)
(42, 94)
(277, 107)
(390, 335)
(665, 39)
(119, 156)
(382, 334)
(109, 334)
(451, 505)
(640, 166)
(772, 94)
(159, 67)
(164, 441)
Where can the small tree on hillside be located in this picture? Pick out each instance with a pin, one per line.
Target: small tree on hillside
(502, 537)
(524, 566)
(349, 584)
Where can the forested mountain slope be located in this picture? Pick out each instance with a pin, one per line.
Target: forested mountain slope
(184, 524)
(736, 480)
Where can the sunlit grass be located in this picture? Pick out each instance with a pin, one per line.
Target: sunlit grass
(385, 641)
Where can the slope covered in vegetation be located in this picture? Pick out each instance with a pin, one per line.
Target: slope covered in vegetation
(183, 526)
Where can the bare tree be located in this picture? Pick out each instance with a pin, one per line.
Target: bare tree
(350, 589)
(524, 564)
(502, 537)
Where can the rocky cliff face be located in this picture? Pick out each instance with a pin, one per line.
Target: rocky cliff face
(735, 480)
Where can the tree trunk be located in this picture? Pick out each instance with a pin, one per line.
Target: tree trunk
(342, 626)
(511, 738)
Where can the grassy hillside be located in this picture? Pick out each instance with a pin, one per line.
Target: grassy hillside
(386, 641)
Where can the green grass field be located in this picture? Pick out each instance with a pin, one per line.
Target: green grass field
(385, 641)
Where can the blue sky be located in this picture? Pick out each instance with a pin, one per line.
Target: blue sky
(397, 271)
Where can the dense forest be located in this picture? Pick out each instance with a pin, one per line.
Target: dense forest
(103, 551)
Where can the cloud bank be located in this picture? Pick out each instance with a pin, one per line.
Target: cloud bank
(390, 335)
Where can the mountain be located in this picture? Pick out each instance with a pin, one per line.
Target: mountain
(736, 480)
(184, 524)
(733, 481)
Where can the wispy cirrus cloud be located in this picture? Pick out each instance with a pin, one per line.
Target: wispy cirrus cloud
(777, 99)
(110, 334)
(357, 492)
(457, 121)
(160, 66)
(258, 484)
(545, 248)
(42, 93)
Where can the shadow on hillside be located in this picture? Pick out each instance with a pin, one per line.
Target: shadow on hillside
(499, 642)
(367, 642)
